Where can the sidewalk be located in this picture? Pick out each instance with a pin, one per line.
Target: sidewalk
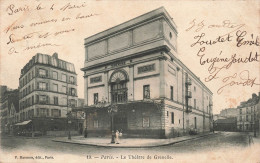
(256, 140)
(128, 142)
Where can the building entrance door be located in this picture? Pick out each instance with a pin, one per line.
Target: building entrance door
(120, 122)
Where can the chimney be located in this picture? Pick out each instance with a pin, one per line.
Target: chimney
(55, 55)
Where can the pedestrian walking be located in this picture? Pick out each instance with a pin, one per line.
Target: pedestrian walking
(117, 137)
(85, 133)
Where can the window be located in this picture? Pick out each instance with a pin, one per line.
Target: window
(32, 87)
(195, 122)
(64, 77)
(207, 109)
(42, 86)
(167, 114)
(146, 91)
(172, 117)
(118, 82)
(43, 112)
(252, 117)
(73, 103)
(42, 73)
(32, 100)
(32, 73)
(72, 80)
(240, 111)
(95, 98)
(170, 34)
(195, 103)
(194, 89)
(240, 118)
(55, 87)
(56, 102)
(55, 113)
(95, 123)
(43, 99)
(73, 91)
(54, 75)
(64, 89)
(246, 117)
(171, 92)
(247, 111)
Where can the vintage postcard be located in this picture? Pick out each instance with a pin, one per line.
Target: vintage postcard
(129, 81)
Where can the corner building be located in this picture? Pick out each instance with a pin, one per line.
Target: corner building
(48, 90)
(135, 65)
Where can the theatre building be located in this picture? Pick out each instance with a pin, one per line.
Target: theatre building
(47, 92)
(134, 81)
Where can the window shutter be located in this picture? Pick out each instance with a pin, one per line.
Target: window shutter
(47, 99)
(69, 104)
(59, 113)
(37, 99)
(37, 72)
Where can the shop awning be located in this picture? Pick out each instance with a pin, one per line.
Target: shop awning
(23, 123)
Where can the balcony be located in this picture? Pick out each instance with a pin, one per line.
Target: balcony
(189, 94)
(188, 109)
(188, 81)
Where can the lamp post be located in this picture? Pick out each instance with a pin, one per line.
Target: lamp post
(254, 123)
(69, 122)
(111, 110)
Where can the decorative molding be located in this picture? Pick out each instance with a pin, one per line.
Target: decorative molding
(146, 68)
(96, 79)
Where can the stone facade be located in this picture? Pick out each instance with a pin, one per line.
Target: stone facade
(47, 91)
(135, 65)
(248, 114)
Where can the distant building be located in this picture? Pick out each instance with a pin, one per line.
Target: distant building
(229, 112)
(248, 114)
(218, 116)
(9, 108)
(227, 124)
(47, 92)
(132, 73)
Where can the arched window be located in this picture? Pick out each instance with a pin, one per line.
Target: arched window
(118, 81)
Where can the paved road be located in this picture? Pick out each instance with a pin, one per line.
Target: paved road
(226, 141)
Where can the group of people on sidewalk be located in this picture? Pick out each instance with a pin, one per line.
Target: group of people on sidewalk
(117, 135)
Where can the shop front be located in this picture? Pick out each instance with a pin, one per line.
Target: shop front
(133, 119)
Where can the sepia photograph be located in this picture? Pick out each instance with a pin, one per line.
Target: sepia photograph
(129, 81)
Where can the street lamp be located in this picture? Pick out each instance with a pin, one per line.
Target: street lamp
(254, 123)
(69, 114)
(111, 110)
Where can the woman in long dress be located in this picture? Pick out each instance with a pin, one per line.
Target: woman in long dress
(117, 137)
